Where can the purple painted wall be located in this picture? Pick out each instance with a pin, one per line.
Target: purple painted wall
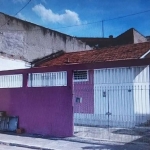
(41, 110)
(49, 110)
(85, 90)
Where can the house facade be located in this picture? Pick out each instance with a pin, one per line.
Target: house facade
(114, 95)
(107, 87)
(119, 95)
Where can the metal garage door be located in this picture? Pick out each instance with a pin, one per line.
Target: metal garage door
(118, 96)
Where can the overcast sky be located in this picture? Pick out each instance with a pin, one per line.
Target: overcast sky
(81, 15)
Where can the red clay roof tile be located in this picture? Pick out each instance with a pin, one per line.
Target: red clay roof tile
(125, 52)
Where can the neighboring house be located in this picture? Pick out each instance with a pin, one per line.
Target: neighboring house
(130, 36)
(112, 85)
(10, 62)
(18, 37)
(148, 38)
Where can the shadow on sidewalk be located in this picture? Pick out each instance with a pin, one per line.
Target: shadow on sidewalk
(95, 145)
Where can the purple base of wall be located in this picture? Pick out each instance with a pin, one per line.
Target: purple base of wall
(40, 110)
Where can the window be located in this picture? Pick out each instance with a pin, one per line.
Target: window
(47, 79)
(11, 81)
(80, 75)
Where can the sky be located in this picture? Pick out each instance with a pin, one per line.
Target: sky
(83, 18)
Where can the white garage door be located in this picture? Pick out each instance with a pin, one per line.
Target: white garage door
(121, 95)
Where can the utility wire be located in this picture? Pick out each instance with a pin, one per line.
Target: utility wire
(22, 8)
(17, 12)
(128, 15)
(108, 19)
(104, 20)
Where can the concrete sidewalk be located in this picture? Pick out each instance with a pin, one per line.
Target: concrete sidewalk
(64, 144)
(124, 135)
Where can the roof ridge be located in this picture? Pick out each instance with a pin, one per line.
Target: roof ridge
(109, 47)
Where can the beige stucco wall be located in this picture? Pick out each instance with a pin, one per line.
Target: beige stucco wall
(31, 41)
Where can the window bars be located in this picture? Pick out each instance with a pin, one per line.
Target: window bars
(47, 79)
(11, 81)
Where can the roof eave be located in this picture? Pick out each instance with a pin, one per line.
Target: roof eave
(144, 55)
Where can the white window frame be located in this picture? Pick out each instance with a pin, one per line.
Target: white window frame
(11, 81)
(46, 79)
(81, 80)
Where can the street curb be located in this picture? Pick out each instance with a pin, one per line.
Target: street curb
(81, 140)
(88, 141)
(23, 146)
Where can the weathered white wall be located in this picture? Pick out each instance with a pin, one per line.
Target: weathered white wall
(12, 64)
(19, 37)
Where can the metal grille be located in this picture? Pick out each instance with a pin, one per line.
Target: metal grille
(122, 75)
(11, 81)
(114, 104)
(47, 79)
(80, 75)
